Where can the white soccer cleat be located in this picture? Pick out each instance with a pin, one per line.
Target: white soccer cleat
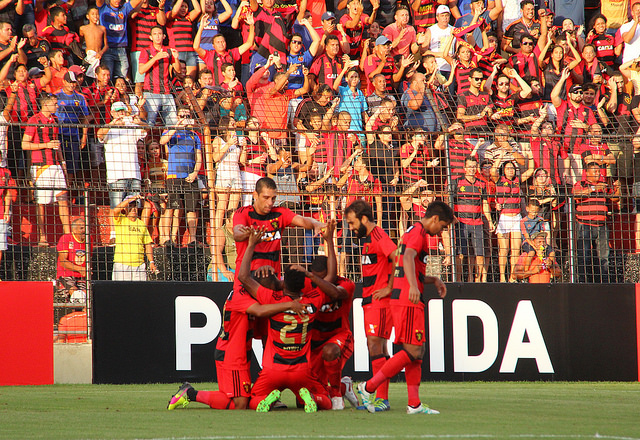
(368, 399)
(337, 403)
(349, 394)
(421, 409)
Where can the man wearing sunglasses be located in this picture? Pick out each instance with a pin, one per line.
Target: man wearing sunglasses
(475, 106)
(574, 118)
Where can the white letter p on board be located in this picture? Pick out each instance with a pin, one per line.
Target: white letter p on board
(186, 336)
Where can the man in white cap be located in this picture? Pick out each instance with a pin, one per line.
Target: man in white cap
(120, 138)
(436, 37)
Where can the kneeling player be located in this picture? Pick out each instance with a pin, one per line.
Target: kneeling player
(285, 363)
(407, 305)
(331, 338)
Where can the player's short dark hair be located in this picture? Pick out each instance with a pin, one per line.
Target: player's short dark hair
(470, 159)
(524, 3)
(319, 264)
(92, 7)
(441, 209)
(331, 37)
(265, 182)
(204, 72)
(360, 208)
(533, 202)
(294, 280)
(55, 11)
(476, 70)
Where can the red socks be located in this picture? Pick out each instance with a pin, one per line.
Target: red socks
(215, 399)
(333, 370)
(413, 375)
(390, 368)
(376, 364)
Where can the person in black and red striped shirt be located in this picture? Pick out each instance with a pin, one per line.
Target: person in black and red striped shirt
(41, 139)
(154, 64)
(470, 204)
(180, 28)
(592, 235)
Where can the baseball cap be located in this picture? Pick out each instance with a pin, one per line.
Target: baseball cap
(328, 16)
(382, 40)
(77, 70)
(70, 77)
(78, 297)
(35, 71)
(442, 9)
(118, 106)
(539, 234)
(544, 12)
(575, 88)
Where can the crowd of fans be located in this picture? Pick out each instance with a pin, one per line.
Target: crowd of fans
(502, 105)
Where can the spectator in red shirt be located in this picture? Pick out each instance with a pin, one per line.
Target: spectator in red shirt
(401, 33)
(327, 67)
(72, 260)
(354, 23)
(381, 62)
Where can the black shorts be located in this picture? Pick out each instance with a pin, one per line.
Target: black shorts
(182, 192)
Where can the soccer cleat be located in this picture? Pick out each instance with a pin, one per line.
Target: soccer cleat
(310, 405)
(382, 405)
(265, 404)
(278, 404)
(337, 403)
(367, 397)
(349, 394)
(180, 399)
(421, 409)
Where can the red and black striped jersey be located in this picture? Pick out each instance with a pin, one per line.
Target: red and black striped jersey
(468, 198)
(266, 252)
(42, 129)
(473, 105)
(26, 103)
(416, 170)
(426, 15)
(333, 316)
(605, 45)
(567, 113)
(416, 238)
(506, 107)
(326, 69)
(289, 335)
(458, 152)
(591, 209)
(156, 80)
(526, 64)
(509, 195)
(462, 76)
(272, 33)
(545, 155)
(180, 32)
(377, 251)
(141, 26)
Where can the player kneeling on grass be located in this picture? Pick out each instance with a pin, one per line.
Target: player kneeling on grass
(407, 308)
(286, 363)
(331, 337)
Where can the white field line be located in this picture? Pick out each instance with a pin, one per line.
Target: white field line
(396, 436)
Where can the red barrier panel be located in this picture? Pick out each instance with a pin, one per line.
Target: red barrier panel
(26, 313)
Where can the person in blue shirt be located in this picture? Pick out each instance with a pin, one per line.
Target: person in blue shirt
(418, 110)
(114, 16)
(72, 109)
(478, 12)
(299, 55)
(184, 151)
(352, 100)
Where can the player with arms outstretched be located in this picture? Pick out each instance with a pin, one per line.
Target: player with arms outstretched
(377, 261)
(407, 308)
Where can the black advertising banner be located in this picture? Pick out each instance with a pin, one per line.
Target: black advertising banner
(165, 332)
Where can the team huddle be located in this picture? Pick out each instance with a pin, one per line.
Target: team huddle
(302, 316)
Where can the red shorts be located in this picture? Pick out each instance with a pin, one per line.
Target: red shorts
(344, 340)
(377, 320)
(409, 324)
(293, 379)
(234, 383)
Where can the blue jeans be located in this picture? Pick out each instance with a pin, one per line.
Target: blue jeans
(163, 104)
(592, 246)
(311, 245)
(116, 59)
(123, 188)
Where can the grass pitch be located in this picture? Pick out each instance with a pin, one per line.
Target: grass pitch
(539, 410)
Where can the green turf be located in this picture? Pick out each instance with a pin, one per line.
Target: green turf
(469, 410)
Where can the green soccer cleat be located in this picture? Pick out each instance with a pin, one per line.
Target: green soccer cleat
(265, 404)
(310, 405)
(382, 405)
(180, 399)
(421, 409)
(368, 399)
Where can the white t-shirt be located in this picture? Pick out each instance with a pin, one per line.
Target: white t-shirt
(121, 152)
(511, 13)
(631, 50)
(438, 37)
(3, 140)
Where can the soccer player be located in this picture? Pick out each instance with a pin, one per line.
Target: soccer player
(377, 280)
(407, 309)
(286, 359)
(331, 336)
(274, 219)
